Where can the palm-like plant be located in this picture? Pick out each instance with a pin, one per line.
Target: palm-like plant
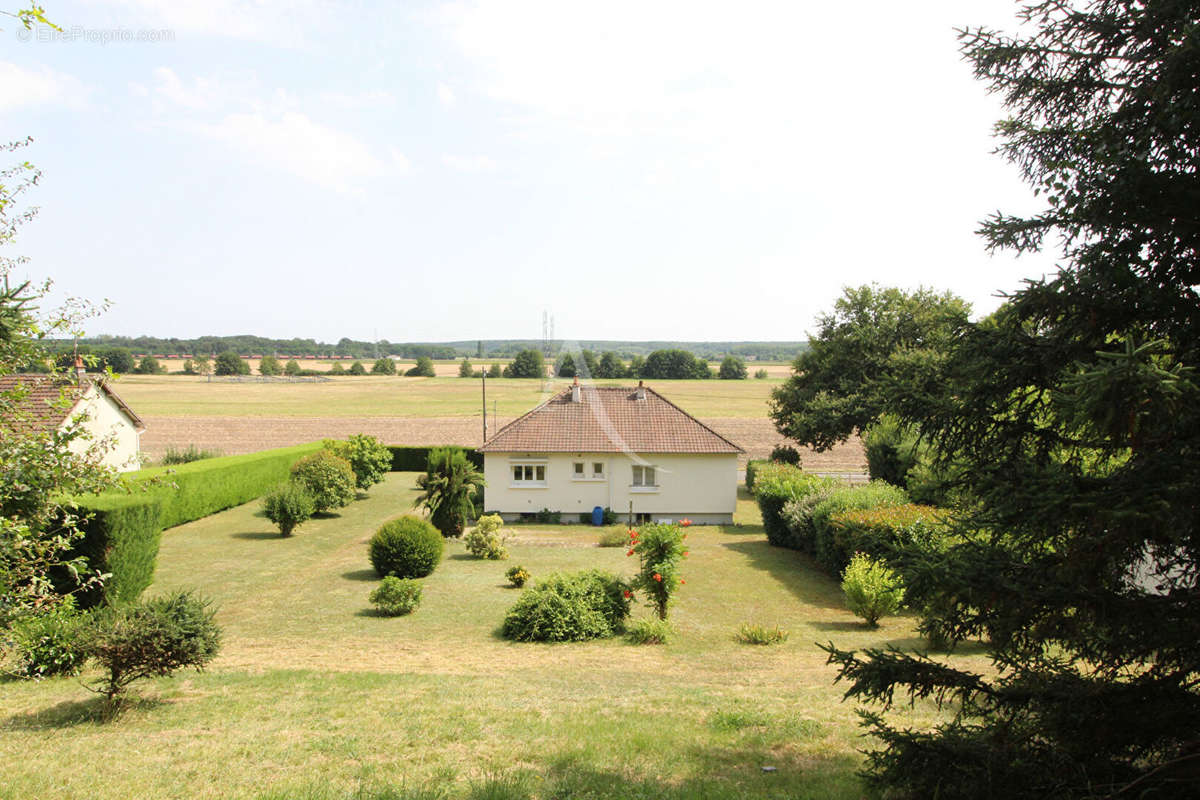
(447, 488)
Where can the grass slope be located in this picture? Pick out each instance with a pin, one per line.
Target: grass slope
(314, 697)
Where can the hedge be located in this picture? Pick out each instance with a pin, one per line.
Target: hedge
(215, 484)
(407, 458)
(830, 551)
(777, 484)
(752, 468)
(120, 537)
(903, 536)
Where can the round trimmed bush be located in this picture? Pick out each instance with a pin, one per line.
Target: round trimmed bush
(328, 478)
(408, 547)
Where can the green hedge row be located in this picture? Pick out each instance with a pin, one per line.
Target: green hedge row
(752, 468)
(894, 533)
(407, 458)
(120, 537)
(776, 485)
(195, 490)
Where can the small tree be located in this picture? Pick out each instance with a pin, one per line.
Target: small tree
(292, 368)
(661, 550)
(465, 370)
(872, 589)
(149, 366)
(527, 364)
(337, 369)
(368, 457)
(329, 479)
(423, 368)
(610, 366)
(269, 365)
(447, 488)
(289, 506)
(203, 366)
(565, 367)
(230, 363)
(383, 366)
(357, 368)
(495, 371)
(153, 638)
(732, 369)
(188, 367)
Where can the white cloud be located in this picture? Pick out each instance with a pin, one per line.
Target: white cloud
(469, 163)
(399, 160)
(445, 95)
(281, 22)
(22, 88)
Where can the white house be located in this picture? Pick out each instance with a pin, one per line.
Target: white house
(611, 447)
(44, 403)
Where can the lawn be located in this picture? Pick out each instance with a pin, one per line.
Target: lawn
(377, 396)
(313, 696)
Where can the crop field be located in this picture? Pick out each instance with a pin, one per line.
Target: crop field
(244, 417)
(313, 696)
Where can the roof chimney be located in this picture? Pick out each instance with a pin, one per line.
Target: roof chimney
(575, 392)
(641, 391)
(79, 369)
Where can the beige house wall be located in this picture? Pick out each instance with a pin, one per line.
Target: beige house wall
(700, 487)
(106, 422)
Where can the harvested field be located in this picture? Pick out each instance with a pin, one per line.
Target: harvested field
(232, 435)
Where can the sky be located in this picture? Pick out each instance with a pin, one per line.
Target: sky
(425, 171)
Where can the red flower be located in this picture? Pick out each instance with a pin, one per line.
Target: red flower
(628, 594)
(685, 552)
(681, 580)
(658, 577)
(683, 523)
(628, 552)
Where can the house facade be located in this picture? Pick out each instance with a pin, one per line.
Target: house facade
(612, 447)
(43, 403)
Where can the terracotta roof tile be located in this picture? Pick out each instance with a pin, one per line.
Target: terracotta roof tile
(36, 402)
(608, 419)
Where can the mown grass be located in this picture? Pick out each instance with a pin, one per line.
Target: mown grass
(407, 397)
(316, 697)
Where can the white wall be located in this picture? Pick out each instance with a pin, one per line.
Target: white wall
(701, 487)
(106, 419)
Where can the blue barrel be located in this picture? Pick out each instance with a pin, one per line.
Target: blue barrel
(597, 516)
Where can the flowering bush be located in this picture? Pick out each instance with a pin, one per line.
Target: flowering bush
(396, 596)
(484, 540)
(661, 549)
(517, 575)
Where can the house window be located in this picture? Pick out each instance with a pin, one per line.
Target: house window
(529, 474)
(643, 476)
(597, 469)
(578, 469)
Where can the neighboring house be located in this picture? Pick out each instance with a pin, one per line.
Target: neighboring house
(45, 403)
(611, 446)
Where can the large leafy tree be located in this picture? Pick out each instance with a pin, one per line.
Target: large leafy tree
(526, 364)
(840, 385)
(1076, 412)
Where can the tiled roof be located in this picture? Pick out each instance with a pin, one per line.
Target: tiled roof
(35, 402)
(608, 419)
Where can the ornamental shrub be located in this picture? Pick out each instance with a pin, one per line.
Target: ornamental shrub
(798, 518)
(369, 458)
(328, 478)
(407, 547)
(396, 596)
(785, 454)
(829, 552)
(448, 488)
(872, 589)
(151, 638)
(752, 633)
(52, 642)
(660, 549)
(774, 486)
(569, 607)
(752, 467)
(289, 506)
(357, 368)
(484, 540)
(517, 575)
(616, 536)
(648, 631)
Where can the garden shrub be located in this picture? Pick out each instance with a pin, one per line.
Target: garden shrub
(775, 485)
(396, 596)
(121, 535)
(753, 633)
(407, 547)
(831, 553)
(648, 631)
(154, 637)
(517, 575)
(785, 454)
(872, 589)
(450, 489)
(369, 459)
(615, 536)
(660, 550)
(569, 608)
(548, 517)
(175, 456)
(484, 540)
(328, 478)
(289, 506)
(52, 642)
